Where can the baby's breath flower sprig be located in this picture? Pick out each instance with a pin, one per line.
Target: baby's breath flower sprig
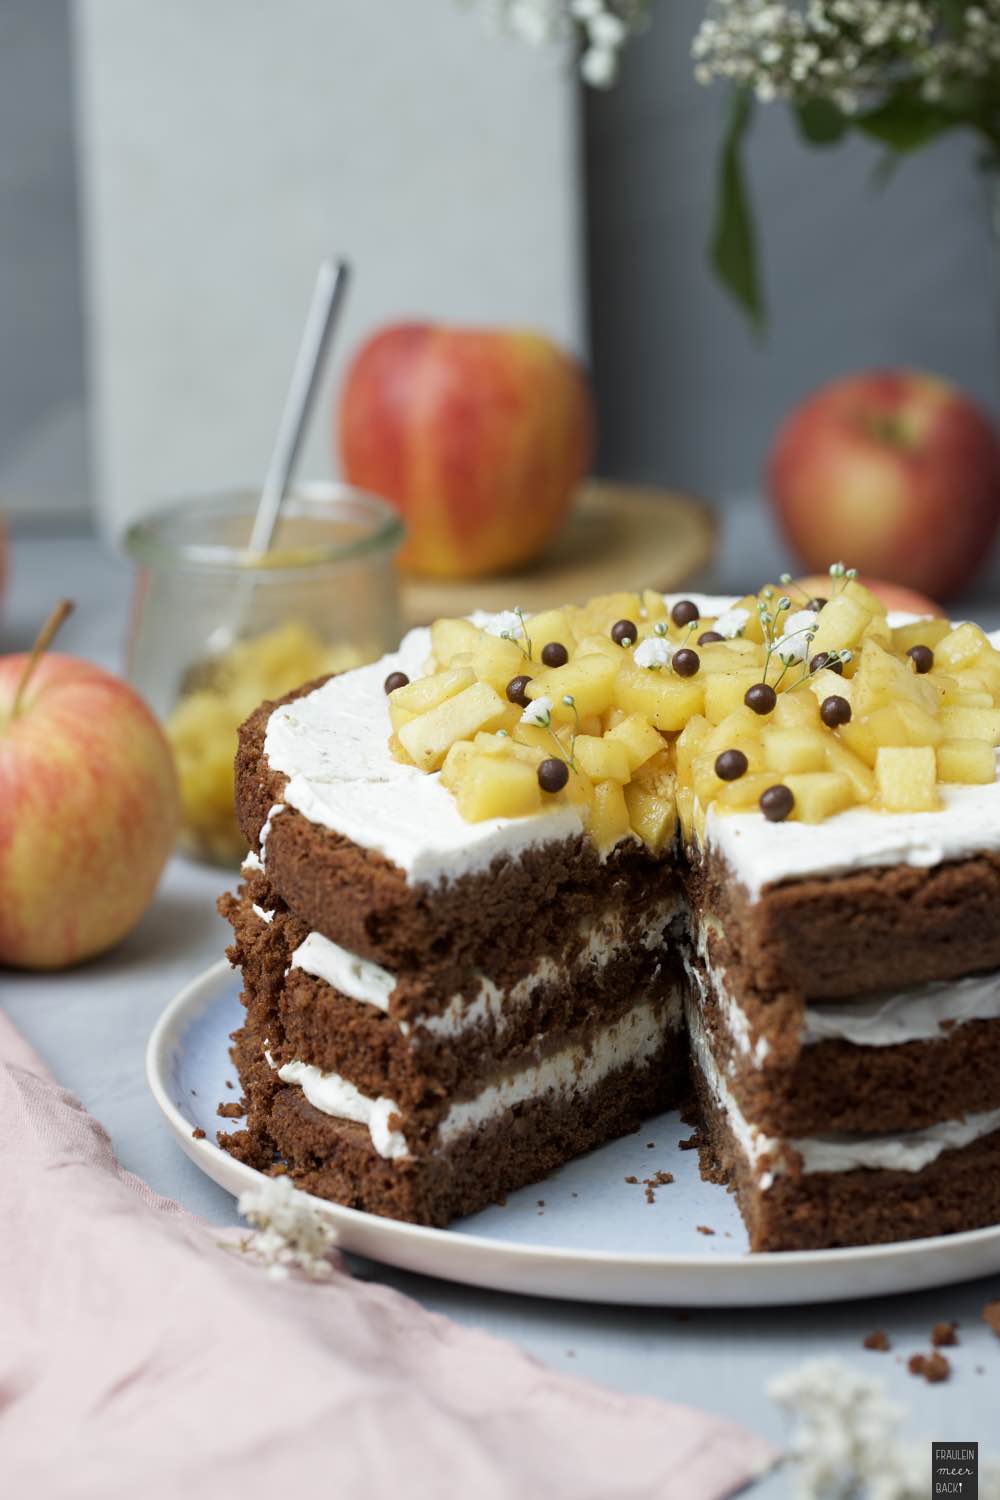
(788, 582)
(660, 628)
(770, 622)
(570, 702)
(841, 576)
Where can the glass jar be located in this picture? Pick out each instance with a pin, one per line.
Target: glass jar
(215, 630)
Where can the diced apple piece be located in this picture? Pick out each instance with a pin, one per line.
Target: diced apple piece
(588, 680)
(798, 709)
(689, 743)
(919, 633)
(752, 630)
(971, 723)
(878, 629)
(864, 598)
(794, 750)
(839, 758)
(493, 788)
(425, 693)
(905, 778)
(455, 762)
(609, 816)
(826, 684)
(737, 731)
(904, 724)
(550, 625)
(654, 605)
(972, 762)
(725, 691)
(839, 625)
(428, 738)
(818, 795)
(882, 679)
(397, 752)
(666, 701)
(638, 738)
(704, 780)
(601, 758)
(452, 637)
(653, 817)
(496, 661)
(960, 647)
(598, 615)
(858, 737)
(689, 816)
(729, 656)
(744, 795)
(599, 645)
(550, 741)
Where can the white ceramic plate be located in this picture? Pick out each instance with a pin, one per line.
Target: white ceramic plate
(585, 1232)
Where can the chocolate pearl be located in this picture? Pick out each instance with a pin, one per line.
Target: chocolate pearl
(922, 657)
(835, 710)
(709, 637)
(516, 691)
(822, 659)
(686, 662)
(624, 633)
(555, 654)
(684, 612)
(553, 774)
(816, 604)
(776, 803)
(761, 697)
(731, 765)
(395, 680)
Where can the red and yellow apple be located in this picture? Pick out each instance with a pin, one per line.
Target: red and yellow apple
(893, 595)
(896, 472)
(89, 811)
(478, 436)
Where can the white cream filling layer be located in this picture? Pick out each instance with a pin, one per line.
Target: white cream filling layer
(633, 1039)
(907, 1151)
(922, 1014)
(334, 1095)
(357, 977)
(265, 916)
(366, 981)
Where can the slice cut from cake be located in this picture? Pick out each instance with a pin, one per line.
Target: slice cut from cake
(521, 877)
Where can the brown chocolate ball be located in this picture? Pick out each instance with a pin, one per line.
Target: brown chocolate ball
(685, 662)
(761, 697)
(776, 803)
(731, 765)
(555, 654)
(395, 680)
(516, 691)
(553, 774)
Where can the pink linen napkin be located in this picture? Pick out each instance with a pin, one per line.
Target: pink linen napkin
(137, 1357)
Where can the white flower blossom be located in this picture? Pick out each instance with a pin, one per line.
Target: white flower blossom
(288, 1232)
(797, 630)
(507, 623)
(731, 623)
(539, 712)
(653, 653)
(599, 28)
(846, 1439)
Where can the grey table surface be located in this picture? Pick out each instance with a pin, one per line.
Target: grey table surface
(91, 1027)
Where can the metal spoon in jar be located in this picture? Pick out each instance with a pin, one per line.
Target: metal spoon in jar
(307, 375)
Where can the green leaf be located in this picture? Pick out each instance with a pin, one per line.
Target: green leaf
(820, 122)
(733, 245)
(906, 121)
(953, 13)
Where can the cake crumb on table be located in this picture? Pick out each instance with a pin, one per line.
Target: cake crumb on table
(877, 1340)
(632, 1179)
(198, 1133)
(933, 1367)
(658, 1179)
(991, 1316)
(704, 1229)
(943, 1334)
(690, 1143)
(230, 1111)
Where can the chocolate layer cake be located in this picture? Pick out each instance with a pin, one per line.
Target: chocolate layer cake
(443, 1005)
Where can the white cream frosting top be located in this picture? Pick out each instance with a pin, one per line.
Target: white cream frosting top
(333, 747)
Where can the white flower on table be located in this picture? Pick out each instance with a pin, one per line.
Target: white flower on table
(288, 1232)
(538, 713)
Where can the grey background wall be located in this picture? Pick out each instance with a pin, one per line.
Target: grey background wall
(43, 445)
(688, 397)
(855, 275)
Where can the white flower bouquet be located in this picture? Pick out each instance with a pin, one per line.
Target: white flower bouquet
(901, 72)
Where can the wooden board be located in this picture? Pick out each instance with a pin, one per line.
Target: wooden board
(618, 536)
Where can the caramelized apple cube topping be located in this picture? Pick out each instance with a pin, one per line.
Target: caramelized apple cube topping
(644, 714)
